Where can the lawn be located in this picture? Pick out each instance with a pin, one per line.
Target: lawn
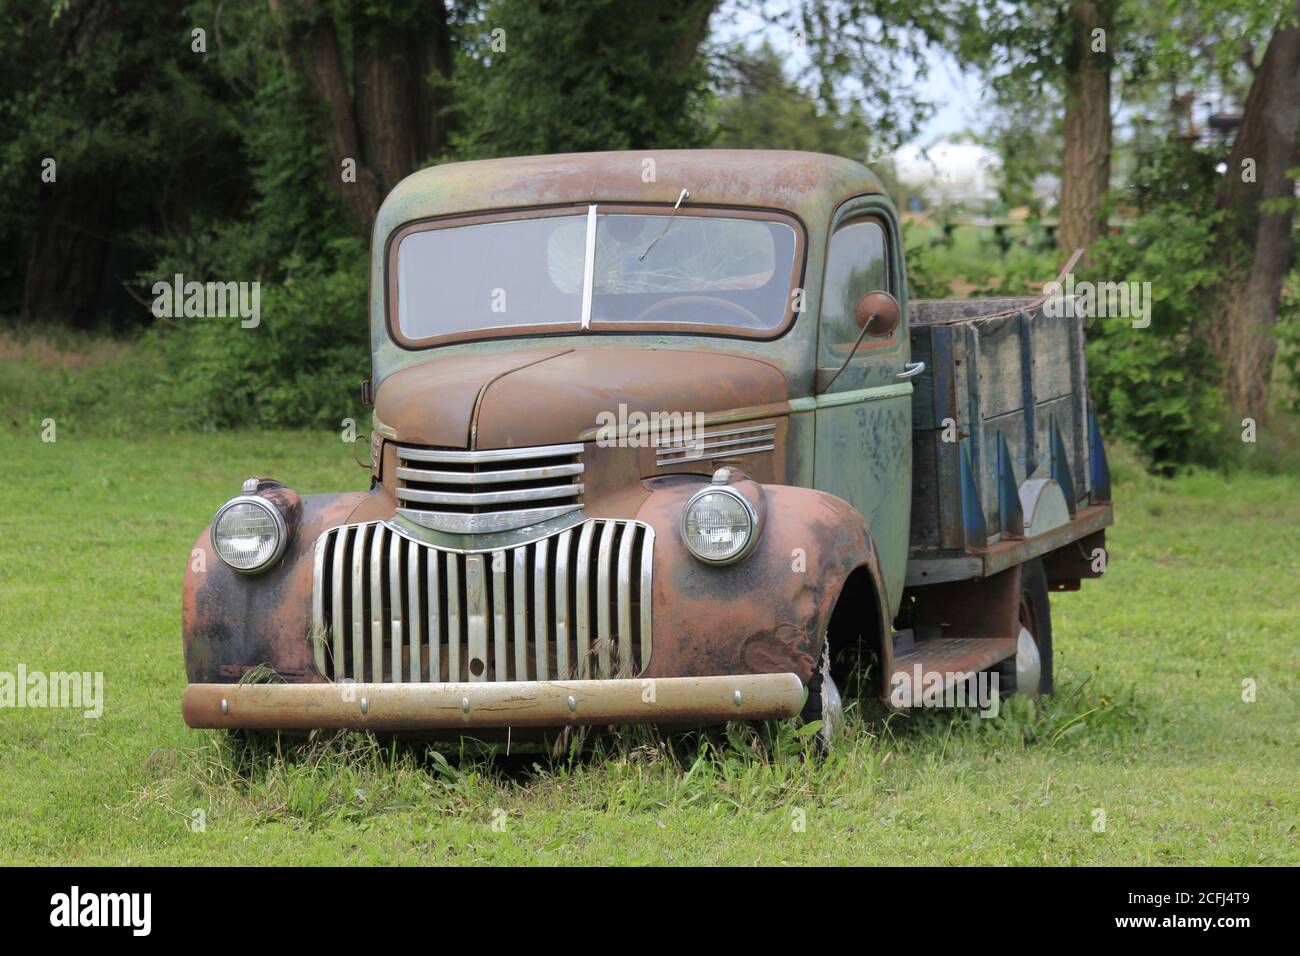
(1148, 735)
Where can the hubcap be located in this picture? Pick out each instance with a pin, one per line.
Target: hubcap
(1028, 663)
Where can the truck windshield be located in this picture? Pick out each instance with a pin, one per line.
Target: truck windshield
(655, 270)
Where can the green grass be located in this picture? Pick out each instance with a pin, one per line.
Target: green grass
(971, 264)
(1149, 724)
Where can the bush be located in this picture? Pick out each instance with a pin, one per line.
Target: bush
(1158, 387)
(301, 366)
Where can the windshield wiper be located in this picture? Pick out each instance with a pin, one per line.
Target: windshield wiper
(685, 194)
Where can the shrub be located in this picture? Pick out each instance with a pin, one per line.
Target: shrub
(303, 363)
(1158, 387)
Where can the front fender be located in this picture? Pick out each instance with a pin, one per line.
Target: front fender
(767, 613)
(232, 622)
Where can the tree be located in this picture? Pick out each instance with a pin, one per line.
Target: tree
(114, 134)
(1086, 142)
(760, 107)
(1054, 48)
(548, 77)
(1256, 197)
(383, 111)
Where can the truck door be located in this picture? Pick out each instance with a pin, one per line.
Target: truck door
(863, 450)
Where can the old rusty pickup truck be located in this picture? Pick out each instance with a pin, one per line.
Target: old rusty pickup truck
(659, 438)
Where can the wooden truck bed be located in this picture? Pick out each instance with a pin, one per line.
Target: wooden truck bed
(1003, 399)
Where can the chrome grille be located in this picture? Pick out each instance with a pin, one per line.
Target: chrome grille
(497, 489)
(715, 443)
(390, 609)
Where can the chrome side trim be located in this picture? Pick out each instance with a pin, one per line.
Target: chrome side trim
(706, 435)
(536, 493)
(751, 440)
(482, 523)
(490, 477)
(487, 455)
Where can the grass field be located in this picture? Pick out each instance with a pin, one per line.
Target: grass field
(1149, 725)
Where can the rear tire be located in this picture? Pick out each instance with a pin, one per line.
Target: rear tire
(1035, 617)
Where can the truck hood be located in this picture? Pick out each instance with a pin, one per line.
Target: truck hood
(549, 396)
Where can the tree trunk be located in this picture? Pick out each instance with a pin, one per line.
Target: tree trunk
(395, 118)
(1254, 244)
(1085, 161)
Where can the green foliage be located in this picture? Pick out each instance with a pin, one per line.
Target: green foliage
(759, 107)
(1158, 387)
(302, 365)
(605, 75)
(143, 137)
(1288, 336)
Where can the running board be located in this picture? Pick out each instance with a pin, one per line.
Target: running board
(953, 659)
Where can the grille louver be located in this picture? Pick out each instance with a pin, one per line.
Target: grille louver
(715, 443)
(390, 609)
(502, 489)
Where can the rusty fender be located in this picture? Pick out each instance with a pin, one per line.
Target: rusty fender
(767, 613)
(233, 622)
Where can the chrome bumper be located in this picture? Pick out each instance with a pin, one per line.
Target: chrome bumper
(663, 700)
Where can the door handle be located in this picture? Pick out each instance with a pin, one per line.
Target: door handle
(912, 370)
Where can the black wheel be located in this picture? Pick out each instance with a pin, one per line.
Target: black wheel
(1030, 671)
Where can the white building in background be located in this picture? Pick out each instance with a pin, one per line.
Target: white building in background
(948, 172)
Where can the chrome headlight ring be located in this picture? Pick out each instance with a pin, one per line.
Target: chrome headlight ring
(751, 512)
(278, 522)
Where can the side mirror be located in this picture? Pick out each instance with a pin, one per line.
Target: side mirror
(878, 313)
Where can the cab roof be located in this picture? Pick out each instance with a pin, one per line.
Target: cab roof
(808, 185)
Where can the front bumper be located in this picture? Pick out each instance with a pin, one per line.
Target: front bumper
(664, 700)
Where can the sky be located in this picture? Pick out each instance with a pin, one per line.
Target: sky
(955, 94)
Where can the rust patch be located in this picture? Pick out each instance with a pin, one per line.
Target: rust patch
(433, 403)
(769, 612)
(580, 384)
(232, 620)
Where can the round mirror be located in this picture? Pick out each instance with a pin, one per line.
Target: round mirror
(879, 313)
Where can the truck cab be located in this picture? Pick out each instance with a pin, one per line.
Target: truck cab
(658, 438)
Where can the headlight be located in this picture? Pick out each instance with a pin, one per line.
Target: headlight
(719, 525)
(249, 533)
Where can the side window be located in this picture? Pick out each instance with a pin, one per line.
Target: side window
(855, 265)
